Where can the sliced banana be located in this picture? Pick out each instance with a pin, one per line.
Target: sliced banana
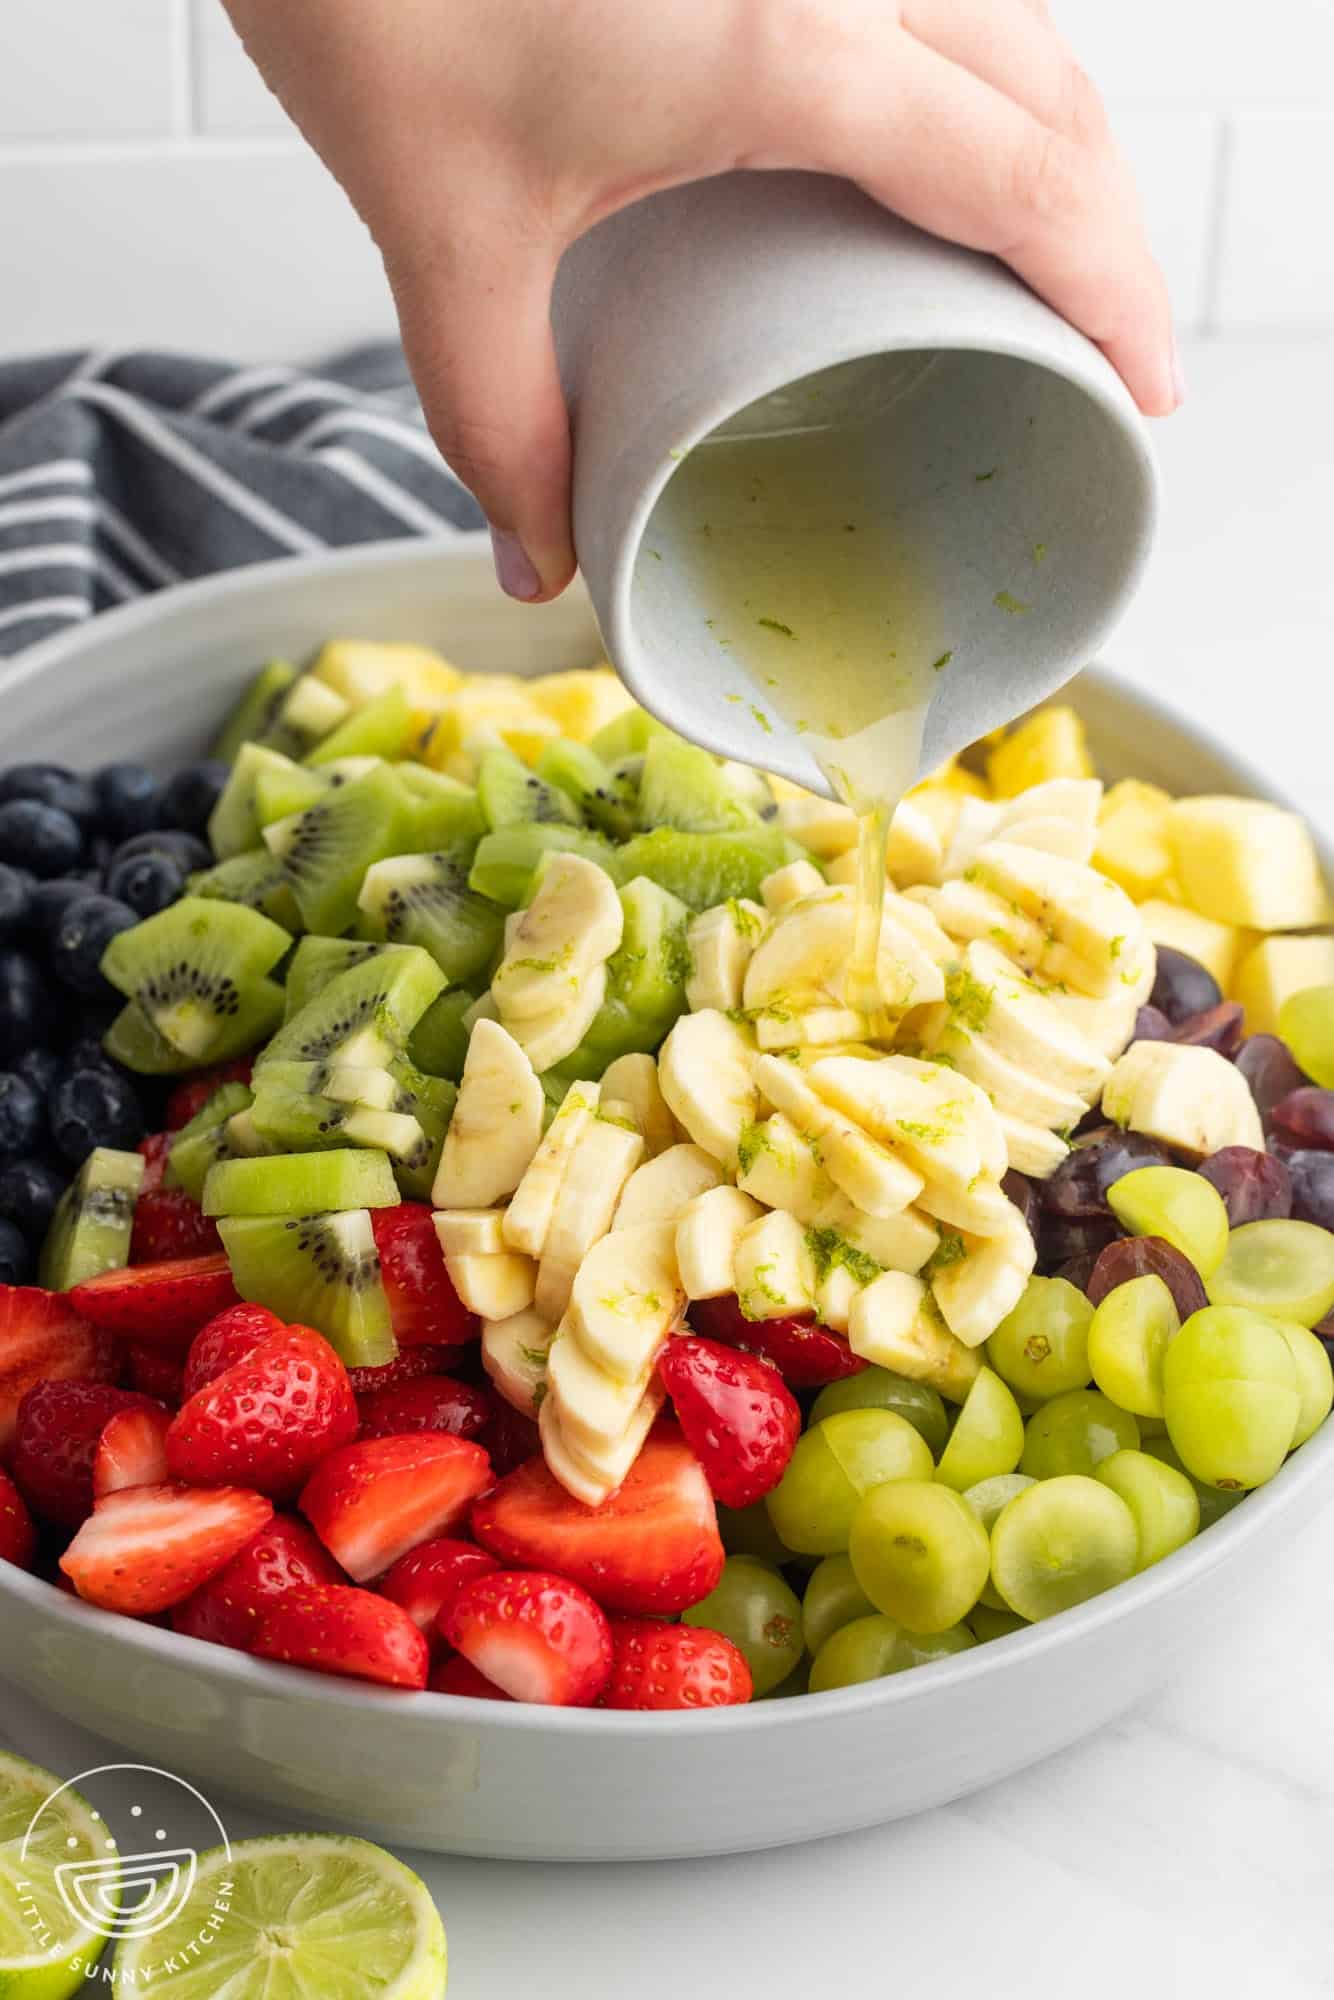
(977, 1291)
(1190, 1098)
(707, 1232)
(720, 942)
(990, 996)
(781, 1168)
(1023, 1094)
(704, 1069)
(872, 1177)
(789, 884)
(819, 1027)
(662, 1189)
(1033, 1149)
(471, 1232)
(594, 1477)
(573, 924)
(903, 1242)
(834, 1294)
(823, 826)
(1060, 816)
(1087, 920)
(774, 1269)
(601, 1163)
(497, 1123)
(595, 1409)
(913, 851)
(548, 1038)
(803, 961)
(634, 1081)
(514, 1355)
(938, 1122)
(894, 1324)
(528, 1217)
(493, 1287)
(626, 1298)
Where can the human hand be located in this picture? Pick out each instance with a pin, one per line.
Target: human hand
(478, 143)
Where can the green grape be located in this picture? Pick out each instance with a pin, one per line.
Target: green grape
(1149, 1427)
(761, 1614)
(1060, 1543)
(987, 1437)
(748, 1531)
(986, 1500)
(1074, 1433)
(1285, 1269)
(1182, 1207)
(1162, 1500)
(1213, 1502)
(920, 1554)
(870, 1648)
(797, 1682)
(880, 1389)
(1315, 1382)
(1127, 1340)
(1230, 1396)
(1306, 1024)
(1041, 1348)
(833, 1598)
(833, 1465)
(994, 1621)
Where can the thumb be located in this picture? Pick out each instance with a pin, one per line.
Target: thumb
(476, 325)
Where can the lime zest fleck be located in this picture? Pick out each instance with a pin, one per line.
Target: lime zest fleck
(1005, 600)
(981, 478)
(831, 1252)
(762, 719)
(937, 666)
(951, 1249)
(776, 625)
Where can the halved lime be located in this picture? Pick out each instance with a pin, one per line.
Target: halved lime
(45, 1946)
(313, 1916)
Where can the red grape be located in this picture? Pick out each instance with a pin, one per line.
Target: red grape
(1078, 1271)
(1270, 1071)
(1065, 1236)
(1024, 1196)
(1305, 1118)
(1151, 1025)
(1182, 986)
(1138, 1257)
(1255, 1187)
(1312, 1187)
(1079, 1185)
(1217, 1028)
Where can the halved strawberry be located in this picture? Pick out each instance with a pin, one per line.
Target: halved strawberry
(652, 1547)
(407, 1366)
(423, 1305)
(156, 1149)
(43, 1339)
(55, 1443)
(432, 1403)
(427, 1579)
(284, 1556)
(512, 1439)
(673, 1666)
(158, 1302)
(806, 1354)
(339, 1630)
(154, 1371)
(267, 1421)
(739, 1420)
(18, 1537)
(230, 1337)
(190, 1097)
(132, 1451)
(150, 1547)
(371, 1502)
(537, 1636)
(169, 1223)
(459, 1676)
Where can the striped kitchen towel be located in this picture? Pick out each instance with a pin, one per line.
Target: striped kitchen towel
(120, 473)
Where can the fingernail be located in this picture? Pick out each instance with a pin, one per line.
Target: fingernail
(1178, 375)
(515, 572)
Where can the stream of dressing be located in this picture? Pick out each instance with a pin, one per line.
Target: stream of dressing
(804, 582)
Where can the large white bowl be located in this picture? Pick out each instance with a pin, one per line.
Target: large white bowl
(479, 1778)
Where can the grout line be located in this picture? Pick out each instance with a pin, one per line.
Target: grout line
(1216, 230)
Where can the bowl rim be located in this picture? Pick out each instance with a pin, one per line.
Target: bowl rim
(157, 1646)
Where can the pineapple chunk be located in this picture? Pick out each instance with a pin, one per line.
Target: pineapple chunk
(1132, 845)
(1242, 861)
(361, 668)
(487, 709)
(1050, 744)
(582, 701)
(1216, 946)
(1275, 969)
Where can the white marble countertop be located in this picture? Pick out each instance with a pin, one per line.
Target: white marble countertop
(1185, 1851)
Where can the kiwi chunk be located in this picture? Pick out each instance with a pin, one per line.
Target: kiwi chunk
(502, 868)
(326, 850)
(437, 811)
(424, 899)
(134, 1041)
(606, 801)
(254, 713)
(233, 826)
(207, 1139)
(707, 868)
(90, 1230)
(306, 715)
(683, 786)
(430, 1100)
(627, 735)
(346, 1083)
(379, 728)
(362, 1016)
(294, 1121)
(316, 1270)
(511, 794)
(196, 969)
(646, 981)
(280, 793)
(439, 1042)
(317, 960)
(256, 880)
(300, 1183)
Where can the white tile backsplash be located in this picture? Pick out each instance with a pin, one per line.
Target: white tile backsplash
(151, 189)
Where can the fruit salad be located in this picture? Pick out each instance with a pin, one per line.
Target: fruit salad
(463, 1233)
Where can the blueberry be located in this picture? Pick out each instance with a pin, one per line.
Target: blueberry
(39, 837)
(147, 882)
(49, 901)
(21, 1115)
(42, 1067)
(29, 1191)
(16, 886)
(84, 932)
(191, 795)
(129, 798)
(184, 847)
(95, 1107)
(16, 1258)
(25, 1003)
(52, 785)
(87, 1053)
